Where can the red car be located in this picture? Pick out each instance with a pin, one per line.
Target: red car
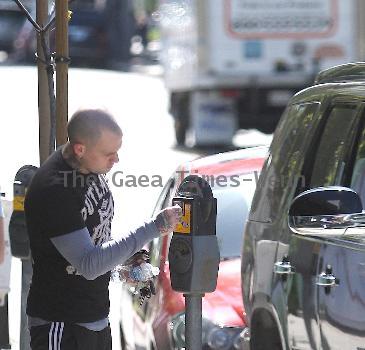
(159, 322)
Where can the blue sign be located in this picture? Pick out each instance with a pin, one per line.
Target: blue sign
(253, 48)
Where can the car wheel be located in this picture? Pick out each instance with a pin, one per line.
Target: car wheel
(179, 109)
(180, 132)
(264, 332)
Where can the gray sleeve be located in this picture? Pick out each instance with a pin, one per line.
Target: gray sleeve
(92, 261)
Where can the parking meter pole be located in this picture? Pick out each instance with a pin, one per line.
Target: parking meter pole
(27, 272)
(194, 254)
(4, 325)
(193, 321)
(19, 243)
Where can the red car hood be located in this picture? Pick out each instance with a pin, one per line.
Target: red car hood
(224, 306)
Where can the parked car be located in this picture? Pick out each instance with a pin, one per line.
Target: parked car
(11, 21)
(303, 258)
(99, 33)
(159, 323)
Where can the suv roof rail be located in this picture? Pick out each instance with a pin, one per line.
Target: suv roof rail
(344, 72)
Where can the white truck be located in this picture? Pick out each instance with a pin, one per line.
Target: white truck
(234, 64)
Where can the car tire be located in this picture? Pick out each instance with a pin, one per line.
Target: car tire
(264, 333)
(270, 341)
(180, 132)
(180, 110)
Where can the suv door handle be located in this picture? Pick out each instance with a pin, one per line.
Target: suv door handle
(327, 279)
(283, 267)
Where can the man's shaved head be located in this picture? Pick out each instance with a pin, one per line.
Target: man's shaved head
(86, 126)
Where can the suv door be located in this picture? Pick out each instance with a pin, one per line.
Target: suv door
(266, 238)
(341, 309)
(307, 302)
(287, 287)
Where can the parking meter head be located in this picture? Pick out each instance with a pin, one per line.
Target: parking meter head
(197, 187)
(194, 253)
(199, 207)
(18, 234)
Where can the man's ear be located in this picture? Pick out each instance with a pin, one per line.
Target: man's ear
(79, 150)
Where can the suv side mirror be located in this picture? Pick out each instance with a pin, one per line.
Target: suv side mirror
(327, 212)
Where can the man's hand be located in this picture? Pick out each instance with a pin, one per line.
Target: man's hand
(138, 258)
(167, 219)
(122, 272)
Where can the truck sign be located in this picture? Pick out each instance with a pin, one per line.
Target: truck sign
(264, 19)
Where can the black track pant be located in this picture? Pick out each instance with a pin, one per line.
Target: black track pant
(64, 336)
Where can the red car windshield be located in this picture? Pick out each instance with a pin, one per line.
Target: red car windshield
(233, 205)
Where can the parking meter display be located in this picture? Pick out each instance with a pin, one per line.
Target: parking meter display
(184, 226)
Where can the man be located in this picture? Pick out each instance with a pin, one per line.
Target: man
(69, 209)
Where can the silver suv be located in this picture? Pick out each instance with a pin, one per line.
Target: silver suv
(303, 260)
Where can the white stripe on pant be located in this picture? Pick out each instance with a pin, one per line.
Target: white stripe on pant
(55, 336)
(60, 336)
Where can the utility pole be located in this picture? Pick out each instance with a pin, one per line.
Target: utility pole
(62, 61)
(47, 127)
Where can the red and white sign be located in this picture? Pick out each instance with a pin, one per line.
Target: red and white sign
(262, 19)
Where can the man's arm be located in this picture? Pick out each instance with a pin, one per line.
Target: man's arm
(92, 261)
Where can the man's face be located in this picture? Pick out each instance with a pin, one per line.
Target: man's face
(100, 157)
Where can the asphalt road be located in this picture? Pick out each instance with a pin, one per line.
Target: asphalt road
(139, 103)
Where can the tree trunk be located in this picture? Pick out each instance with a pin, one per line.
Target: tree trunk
(44, 93)
(62, 60)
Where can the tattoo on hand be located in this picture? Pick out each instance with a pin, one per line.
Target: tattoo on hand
(162, 223)
(167, 219)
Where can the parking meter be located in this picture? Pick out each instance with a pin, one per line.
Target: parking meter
(18, 234)
(194, 254)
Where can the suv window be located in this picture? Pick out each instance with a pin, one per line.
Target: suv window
(335, 147)
(337, 161)
(281, 171)
(357, 182)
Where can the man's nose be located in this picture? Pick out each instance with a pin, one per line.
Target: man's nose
(116, 158)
